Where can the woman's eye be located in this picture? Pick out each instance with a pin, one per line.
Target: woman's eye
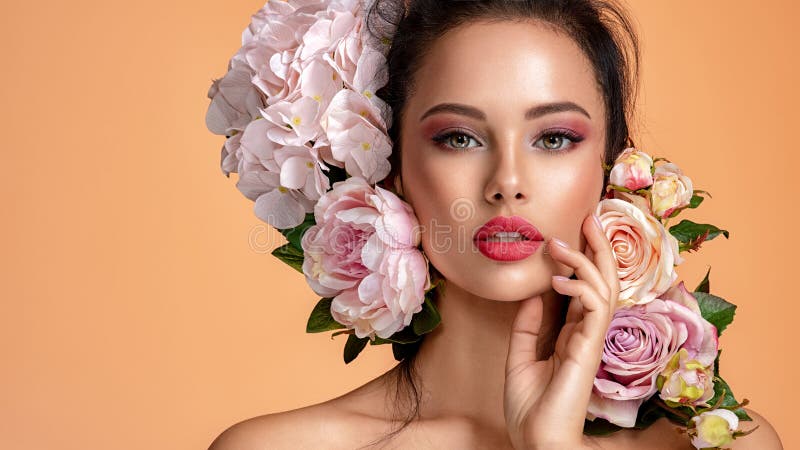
(557, 141)
(456, 140)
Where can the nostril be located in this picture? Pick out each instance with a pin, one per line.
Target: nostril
(498, 196)
(519, 195)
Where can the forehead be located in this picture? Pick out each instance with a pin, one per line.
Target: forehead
(505, 65)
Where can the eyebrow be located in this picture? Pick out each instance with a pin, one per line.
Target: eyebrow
(532, 113)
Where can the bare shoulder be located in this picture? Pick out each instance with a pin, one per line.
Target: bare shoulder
(765, 437)
(289, 429)
(310, 427)
(337, 423)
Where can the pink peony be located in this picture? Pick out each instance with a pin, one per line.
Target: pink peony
(646, 253)
(640, 342)
(632, 170)
(363, 252)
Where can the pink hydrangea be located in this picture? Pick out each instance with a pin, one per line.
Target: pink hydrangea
(284, 181)
(363, 252)
(298, 98)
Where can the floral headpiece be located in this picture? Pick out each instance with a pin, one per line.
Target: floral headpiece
(308, 137)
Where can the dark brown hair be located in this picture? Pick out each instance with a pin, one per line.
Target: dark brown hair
(601, 28)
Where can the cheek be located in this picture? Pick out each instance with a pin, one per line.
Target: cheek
(436, 184)
(568, 196)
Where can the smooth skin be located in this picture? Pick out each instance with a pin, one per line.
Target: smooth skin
(502, 370)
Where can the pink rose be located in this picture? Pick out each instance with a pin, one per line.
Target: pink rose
(632, 170)
(707, 349)
(646, 253)
(640, 342)
(363, 252)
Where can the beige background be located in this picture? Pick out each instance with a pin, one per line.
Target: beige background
(140, 305)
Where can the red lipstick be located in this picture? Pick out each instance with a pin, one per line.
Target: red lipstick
(508, 238)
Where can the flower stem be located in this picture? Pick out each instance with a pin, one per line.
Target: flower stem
(678, 413)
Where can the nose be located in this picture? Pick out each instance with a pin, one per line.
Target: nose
(509, 179)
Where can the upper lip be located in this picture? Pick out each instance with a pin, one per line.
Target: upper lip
(512, 223)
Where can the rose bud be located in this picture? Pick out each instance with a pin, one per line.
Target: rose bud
(632, 170)
(713, 428)
(671, 190)
(686, 381)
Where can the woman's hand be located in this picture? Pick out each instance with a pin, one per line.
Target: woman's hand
(545, 400)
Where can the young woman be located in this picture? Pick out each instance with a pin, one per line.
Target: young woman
(502, 109)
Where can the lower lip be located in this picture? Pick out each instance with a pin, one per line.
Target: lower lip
(509, 250)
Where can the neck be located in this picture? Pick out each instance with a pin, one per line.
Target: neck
(461, 364)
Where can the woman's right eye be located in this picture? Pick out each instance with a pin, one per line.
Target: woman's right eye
(455, 140)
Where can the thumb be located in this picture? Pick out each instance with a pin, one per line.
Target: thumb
(525, 333)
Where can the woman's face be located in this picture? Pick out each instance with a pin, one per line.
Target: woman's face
(506, 119)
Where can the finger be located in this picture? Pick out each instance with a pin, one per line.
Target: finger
(583, 291)
(582, 353)
(574, 316)
(602, 254)
(593, 325)
(584, 268)
(524, 333)
(590, 254)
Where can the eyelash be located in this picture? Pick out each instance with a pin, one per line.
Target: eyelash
(441, 139)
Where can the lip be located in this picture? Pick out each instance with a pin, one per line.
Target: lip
(508, 251)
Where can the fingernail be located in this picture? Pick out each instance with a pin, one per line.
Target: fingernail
(560, 278)
(560, 242)
(597, 222)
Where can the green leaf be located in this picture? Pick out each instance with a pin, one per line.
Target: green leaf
(599, 427)
(704, 285)
(294, 235)
(715, 310)
(728, 400)
(321, 319)
(353, 347)
(426, 320)
(690, 234)
(290, 255)
(695, 201)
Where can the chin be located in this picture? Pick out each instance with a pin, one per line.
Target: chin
(501, 282)
(507, 293)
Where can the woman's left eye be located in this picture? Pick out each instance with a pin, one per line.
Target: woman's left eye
(555, 141)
